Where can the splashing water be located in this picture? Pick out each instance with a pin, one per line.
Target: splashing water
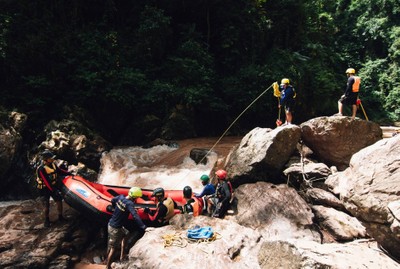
(159, 166)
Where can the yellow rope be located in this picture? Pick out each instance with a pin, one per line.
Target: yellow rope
(175, 239)
(178, 240)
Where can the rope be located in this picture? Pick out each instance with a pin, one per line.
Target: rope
(178, 240)
(219, 139)
(258, 97)
(175, 239)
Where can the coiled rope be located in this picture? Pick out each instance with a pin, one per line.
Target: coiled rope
(180, 240)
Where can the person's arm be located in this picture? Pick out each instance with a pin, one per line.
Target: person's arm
(349, 87)
(63, 172)
(136, 217)
(114, 200)
(202, 192)
(227, 191)
(160, 213)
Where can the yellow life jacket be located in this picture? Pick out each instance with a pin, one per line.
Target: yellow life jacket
(356, 84)
(51, 171)
(170, 208)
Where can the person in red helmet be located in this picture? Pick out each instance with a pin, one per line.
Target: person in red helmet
(219, 203)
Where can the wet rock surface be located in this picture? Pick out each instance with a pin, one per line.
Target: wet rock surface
(26, 243)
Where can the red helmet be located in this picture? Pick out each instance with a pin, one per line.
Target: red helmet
(221, 174)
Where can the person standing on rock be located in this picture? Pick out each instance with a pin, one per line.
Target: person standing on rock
(288, 95)
(350, 96)
(119, 226)
(47, 175)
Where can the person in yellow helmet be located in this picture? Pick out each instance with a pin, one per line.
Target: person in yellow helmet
(350, 95)
(119, 226)
(287, 100)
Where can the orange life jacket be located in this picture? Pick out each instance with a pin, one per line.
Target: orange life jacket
(356, 84)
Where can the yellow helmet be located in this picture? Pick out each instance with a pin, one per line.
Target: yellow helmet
(135, 192)
(285, 81)
(350, 71)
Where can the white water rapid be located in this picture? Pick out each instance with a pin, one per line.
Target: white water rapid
(162, 166)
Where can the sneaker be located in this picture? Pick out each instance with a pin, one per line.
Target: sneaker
(338, 114)
(46, 223)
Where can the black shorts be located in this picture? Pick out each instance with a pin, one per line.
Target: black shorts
(349, 100)
(289, 106)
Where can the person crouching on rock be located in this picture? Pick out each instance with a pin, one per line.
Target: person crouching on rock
(219, 204)
(165, 208)
(47, 175)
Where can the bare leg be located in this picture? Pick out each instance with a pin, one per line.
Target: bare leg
(46, 204)
(340, 107)
(60, 210)
(109, 257)
(289, 117)
(122, 248)
(354, 107)
(209, 206)
(46, 211)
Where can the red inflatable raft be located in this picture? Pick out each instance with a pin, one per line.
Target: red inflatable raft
(92, 199)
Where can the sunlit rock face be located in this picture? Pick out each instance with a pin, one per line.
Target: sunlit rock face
(370, 190)
(335, 139)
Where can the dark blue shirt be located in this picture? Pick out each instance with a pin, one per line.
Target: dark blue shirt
(207, 190)
(287, 95)
(123, 207)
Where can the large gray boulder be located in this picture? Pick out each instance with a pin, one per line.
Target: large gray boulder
(235, 246)
(335, 139)
(277, 211)
(370, 190)
(310, 255)
(262, 154)
(26, 243)
(11, 126)
(73, 141)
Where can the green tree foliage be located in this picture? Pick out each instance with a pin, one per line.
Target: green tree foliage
(128, 60)
(370, 41)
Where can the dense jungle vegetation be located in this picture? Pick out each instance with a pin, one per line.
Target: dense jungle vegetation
(128, 62)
